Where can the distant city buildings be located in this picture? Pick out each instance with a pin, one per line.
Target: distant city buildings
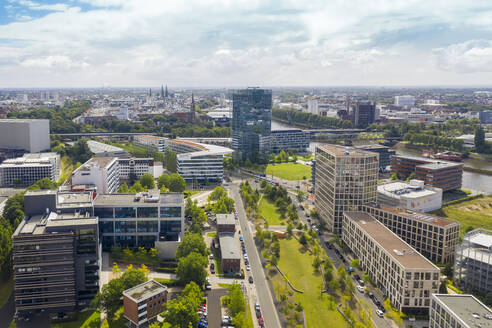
(251, 123)
(26, 170)
(102, 172)
(458, 311)
(413, 195)
(345, 179)
(29, 135)
(295, 140)
(473, 264)
(405, 101)
(363, 114)
(405, 276)
(485, 117)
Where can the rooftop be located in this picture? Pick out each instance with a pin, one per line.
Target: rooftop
(373, 146)
(480, 237)
(467, 308)
(401, 252)
(341, 151)
(73, 199)
(204, 150)
(397, 189)
(100, 147)
(151, 137)
(21, 120)
(46, 223)
(439, 165)
(144, 198)
(37, 159)
(225, 219)
(145, 290)
(98, 162)
(229, 248)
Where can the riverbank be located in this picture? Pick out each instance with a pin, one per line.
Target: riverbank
(477, 170)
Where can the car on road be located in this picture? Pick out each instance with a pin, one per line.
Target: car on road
(380, 313)
(211, 256)
(376, 301)
(248, 267)
(356, 277)
(261, 322)
(208, 286)
(250, 279)
(382, 308)
(241, 238)
(361, 282)
(360, 288)
(301, 207)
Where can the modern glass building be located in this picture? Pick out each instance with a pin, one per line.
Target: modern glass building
(251, 123)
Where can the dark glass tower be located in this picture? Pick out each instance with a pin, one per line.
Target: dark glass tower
(364, 114)
(251, 123)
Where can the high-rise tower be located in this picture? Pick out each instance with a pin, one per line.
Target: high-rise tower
(192, 109)
(167, 94)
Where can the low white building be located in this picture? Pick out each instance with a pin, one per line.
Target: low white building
(413, 196)
(458, 311)
(102, 172)
(137, 166)
(24, 171)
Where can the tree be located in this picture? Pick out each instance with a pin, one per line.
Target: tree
(236, 300)
(480, 144)
(192, 242)
(448, 270)
(366, 278)
(442, 288)
(43, 184)
(192, 268)
(410, 177)
(488, 299)
(177, 183)
(394, 176)
(171, 161)
(193, 292)
(238, 321)
(79, 152)
(123, 189)
(5, 249)
(181, 313)
(147, 181)
(334, 285)
(218, 193)
(355, 263)
(303, 239)
(158, 156)
(163, 180)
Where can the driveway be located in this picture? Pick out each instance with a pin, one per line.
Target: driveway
(213, 306)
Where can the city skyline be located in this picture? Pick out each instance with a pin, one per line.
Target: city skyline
(95, 43)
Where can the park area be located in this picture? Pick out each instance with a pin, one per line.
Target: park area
(269, 212)
(476, 213)
(289, 171)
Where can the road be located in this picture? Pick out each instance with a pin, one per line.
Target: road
(268, 309)
(214, 314)
(7, 311)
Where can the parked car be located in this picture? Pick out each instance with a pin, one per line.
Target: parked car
(356, 277)
(208, 286)
(211, 256)
(361, 282)
(248, 267)
(379, 313)
(250, 279)
(360, 288)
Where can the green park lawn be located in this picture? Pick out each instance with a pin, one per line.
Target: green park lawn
(269, 212)
(289, 171)
(298, 268)
(476, 213)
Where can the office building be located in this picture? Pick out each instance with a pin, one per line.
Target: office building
(458, 311)
(444, 175)
(413, 195)
(294, 140)
(405, 101)
(363, 114)
(473, 263)
(143, 219)
(384, 152)
(345, 179)
(199, 164)
(312, 106)
(432, 236)
(32, 136)
(230, 256)
(144, 302)
(101, 149)
(56, 262)
(405, 276)
(24, 171)
(226, 223)
(251, 123)
(102, 172)
(485, 117)
(135, 167)
(151, 143)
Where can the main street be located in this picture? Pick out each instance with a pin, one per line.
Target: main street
(268, 309)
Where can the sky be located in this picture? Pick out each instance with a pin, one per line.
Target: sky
(230, 43)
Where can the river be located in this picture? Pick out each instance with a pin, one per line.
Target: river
(473, 181)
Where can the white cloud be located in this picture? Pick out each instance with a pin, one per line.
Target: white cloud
(58, 61)
(467, 57)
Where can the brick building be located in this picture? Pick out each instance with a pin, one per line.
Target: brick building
(144, 302)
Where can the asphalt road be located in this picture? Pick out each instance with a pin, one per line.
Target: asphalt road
(7, 312)
(214, 314)
(268, 309)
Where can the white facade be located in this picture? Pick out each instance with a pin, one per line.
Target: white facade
(313, 106)
(138, 166)
(411, 196)
(102, 172)
(26, 170)
(405, 101)
(33, 136)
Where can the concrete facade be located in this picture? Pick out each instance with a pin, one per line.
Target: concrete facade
(30, 135)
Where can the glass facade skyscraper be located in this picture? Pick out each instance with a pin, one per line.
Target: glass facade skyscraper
(251, 123)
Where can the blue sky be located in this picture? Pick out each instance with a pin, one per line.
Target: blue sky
(209, 43)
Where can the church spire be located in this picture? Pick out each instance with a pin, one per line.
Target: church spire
(167, 94)
(162, 91)
(192, 109)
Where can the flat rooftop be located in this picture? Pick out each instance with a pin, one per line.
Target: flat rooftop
(373, 146)
(100, 147)
(151, 137)
(67, 199)
(341, 151)
(439, 165)
(482, 238)
(469, 309)
(99, 162)
(229, 248)
(401, 252)
(397, 189)
(144, 291)
(225, 219)
(145, 199)
(40, 224)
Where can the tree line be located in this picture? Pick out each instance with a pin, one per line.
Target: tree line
(310, 120)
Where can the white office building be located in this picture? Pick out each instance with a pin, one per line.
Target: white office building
(312, 106)
(137, 166)
(458, 311)
(102, 172)
(151, 143)
(24, 171)
(33, 136)
(405, 101)
(413, 196)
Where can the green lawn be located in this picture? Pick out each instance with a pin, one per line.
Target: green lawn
(86, 319)
(212, 234)
(289, 171)
(298, 268)
(269, 212)
(476, 213)
(5, 290)
(67, 168)
(306, 158)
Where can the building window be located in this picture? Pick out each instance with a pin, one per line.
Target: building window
(170, 212)
(124, 212)
(147, 212)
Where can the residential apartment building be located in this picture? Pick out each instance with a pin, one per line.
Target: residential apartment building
(251, 123)
(55, 262)
(394, 266)
(473, 264)
(363, 114)
(144, 302)
(384, 152)
(295, 140)
(32, 136)
(434, 237)
(444, 175)
(485, 117)
(102, 172)
(135, 166)
(151, 143)
(24, 171)
(458, 311)
(346, 178)
(413, 195)
(143, 219)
